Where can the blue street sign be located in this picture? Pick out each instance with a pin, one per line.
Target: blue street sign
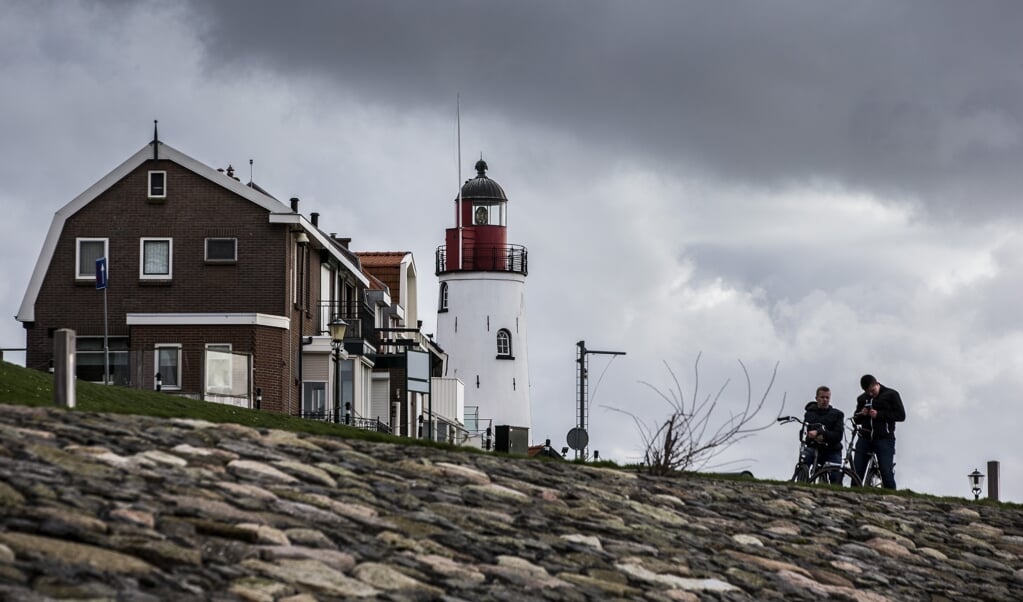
(101, 273)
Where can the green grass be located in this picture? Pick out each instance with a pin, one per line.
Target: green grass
(21, 386)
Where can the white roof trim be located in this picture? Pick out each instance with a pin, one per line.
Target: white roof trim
(195, 319)
(313, 231)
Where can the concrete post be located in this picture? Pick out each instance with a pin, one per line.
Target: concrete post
(992, 480)
(64, 367)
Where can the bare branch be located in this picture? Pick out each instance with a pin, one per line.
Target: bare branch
(690, 438)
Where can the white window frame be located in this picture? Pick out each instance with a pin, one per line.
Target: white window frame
(206, 250)
(310, 386)
(220, 389)
(149, 184)
(156, 362)
(121, 352)
(142, 259)
(91, 275)
(506, 335)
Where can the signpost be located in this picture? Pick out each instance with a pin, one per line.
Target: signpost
(101, 285)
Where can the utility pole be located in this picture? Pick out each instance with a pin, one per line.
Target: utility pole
(578, 438)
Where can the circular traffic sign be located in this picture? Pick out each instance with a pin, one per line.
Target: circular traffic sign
(578, 438)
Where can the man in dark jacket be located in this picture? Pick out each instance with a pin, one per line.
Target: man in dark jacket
(824, 432)
(877, 411)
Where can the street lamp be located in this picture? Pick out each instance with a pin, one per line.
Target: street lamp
(337, 328)
(976, 480)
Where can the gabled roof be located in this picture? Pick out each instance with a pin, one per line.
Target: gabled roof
(386, 266)
(279, 212)
(377, 259)
(376, 284)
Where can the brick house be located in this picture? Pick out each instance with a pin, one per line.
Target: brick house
(223, 291)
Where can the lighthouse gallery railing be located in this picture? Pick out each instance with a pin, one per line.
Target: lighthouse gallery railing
(486, 258)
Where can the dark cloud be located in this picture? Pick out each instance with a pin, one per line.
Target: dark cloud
(911, 100)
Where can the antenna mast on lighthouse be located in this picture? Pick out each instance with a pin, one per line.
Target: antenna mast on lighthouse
(458, 208)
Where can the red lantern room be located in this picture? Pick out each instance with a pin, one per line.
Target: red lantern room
(479, 240)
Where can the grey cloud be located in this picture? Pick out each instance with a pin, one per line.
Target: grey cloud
(917, 100)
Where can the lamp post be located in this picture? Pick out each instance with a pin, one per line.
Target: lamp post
(337, 328)
(976, 481)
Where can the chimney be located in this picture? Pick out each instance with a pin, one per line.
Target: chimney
(294, 204)
(344, 241)
(315, 219)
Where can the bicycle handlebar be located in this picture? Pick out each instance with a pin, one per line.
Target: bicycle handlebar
(788, 419)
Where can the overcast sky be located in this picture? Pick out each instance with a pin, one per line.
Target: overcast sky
(831, 186)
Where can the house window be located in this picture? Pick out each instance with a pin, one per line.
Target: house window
(347, 384)
(87, 251)
(221, 250)
(157, 184)
(218, 369)
(504, 343)
(168, 366)
(156, 258)
(443, 304)
(90, 359)
(314, 399)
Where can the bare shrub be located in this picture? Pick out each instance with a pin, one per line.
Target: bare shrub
(690, 438)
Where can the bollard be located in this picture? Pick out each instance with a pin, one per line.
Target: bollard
(992, 480)
(64, 367)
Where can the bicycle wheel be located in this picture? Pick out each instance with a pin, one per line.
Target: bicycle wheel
(833, 474)
(872, 478)
(801, 474)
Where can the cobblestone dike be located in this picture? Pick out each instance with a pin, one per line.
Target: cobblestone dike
(106, 507)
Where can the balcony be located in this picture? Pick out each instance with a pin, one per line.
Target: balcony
(484, 258)
(347, 311)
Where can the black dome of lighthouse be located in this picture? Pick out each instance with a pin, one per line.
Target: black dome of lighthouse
(481, 187)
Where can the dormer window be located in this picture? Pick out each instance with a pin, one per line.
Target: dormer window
(157, 184)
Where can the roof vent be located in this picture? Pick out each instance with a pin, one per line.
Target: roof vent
(315, 219)
(294, 204)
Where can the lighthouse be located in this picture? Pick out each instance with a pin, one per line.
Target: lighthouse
(481, 312)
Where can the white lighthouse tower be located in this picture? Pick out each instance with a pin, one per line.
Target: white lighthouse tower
(481, 314)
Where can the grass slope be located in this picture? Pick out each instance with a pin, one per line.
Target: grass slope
(21, 386)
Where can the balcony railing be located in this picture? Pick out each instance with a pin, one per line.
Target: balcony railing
(347, 311)
(485, 258)
(397, 340)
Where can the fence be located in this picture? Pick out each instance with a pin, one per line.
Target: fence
(337, 417)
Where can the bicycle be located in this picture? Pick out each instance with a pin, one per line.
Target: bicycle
(816, 472)
(820, 472)
(872, 474)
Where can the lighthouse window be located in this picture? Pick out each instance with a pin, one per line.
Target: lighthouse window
(504, 349)
(443, 304)
(489, 214)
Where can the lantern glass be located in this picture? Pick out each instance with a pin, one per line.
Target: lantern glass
(337, 329)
